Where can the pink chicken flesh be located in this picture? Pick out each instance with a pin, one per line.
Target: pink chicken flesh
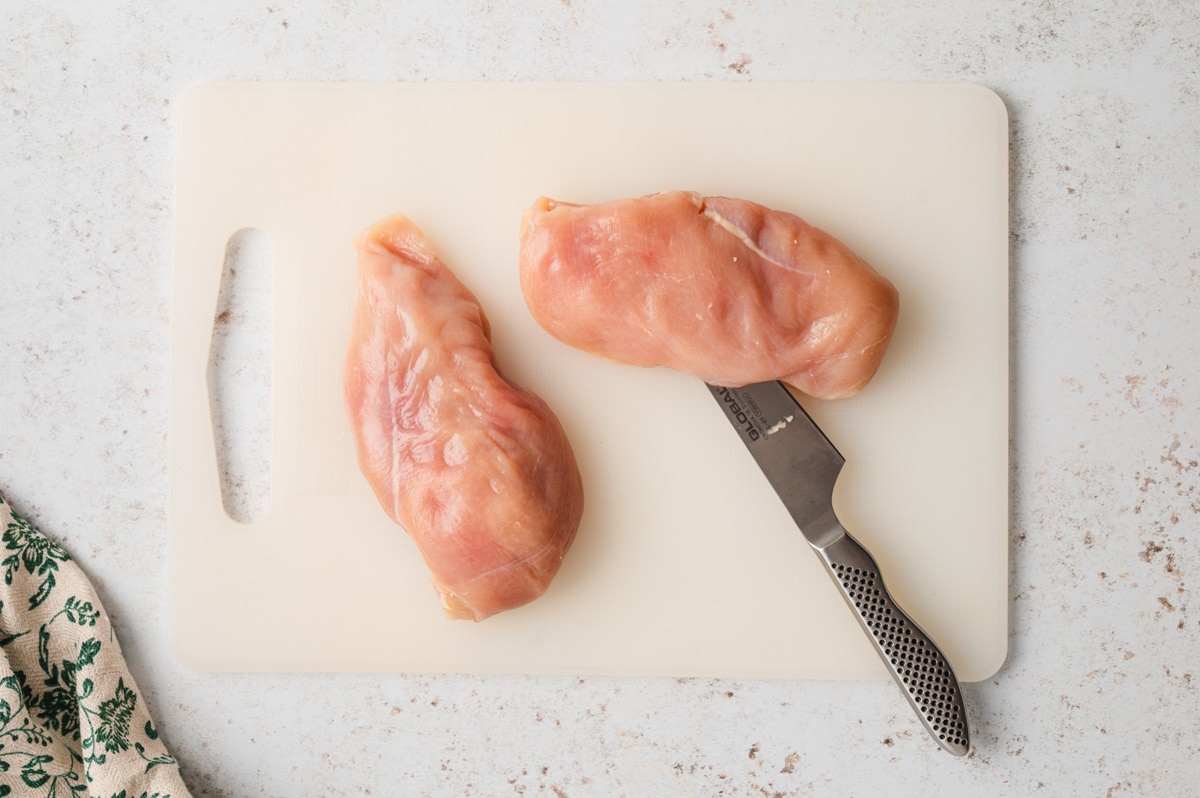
(478, 471)
(723, 289)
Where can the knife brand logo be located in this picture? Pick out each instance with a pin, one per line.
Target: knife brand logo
(749, 428)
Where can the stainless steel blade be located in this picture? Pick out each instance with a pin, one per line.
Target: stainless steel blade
(802, 466)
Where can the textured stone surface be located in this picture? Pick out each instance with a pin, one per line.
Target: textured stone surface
(1099, 694)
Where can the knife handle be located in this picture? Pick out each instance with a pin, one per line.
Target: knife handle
(914, 661)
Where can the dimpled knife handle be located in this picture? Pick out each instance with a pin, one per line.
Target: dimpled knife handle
(914, 661)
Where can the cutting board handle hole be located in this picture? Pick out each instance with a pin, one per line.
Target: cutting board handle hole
(240, 375)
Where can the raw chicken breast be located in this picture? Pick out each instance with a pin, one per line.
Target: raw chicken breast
(478, 471)
(724, 289)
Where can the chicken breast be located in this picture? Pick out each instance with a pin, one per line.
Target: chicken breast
(721, 288)
(478, 471)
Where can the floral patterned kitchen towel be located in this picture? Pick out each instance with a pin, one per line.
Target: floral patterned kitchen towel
(71, 721)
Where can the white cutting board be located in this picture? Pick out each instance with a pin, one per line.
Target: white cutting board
(686, 563)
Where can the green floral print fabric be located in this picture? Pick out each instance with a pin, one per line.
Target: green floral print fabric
(71, 721)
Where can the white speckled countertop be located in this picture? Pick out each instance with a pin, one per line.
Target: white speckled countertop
(1099, 695)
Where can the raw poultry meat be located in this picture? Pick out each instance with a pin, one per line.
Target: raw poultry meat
(724, 289)
(478, 471)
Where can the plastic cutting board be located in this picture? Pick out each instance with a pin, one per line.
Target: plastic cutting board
(686, 563)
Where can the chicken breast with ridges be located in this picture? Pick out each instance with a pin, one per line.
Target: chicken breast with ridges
(478, 471)
(721, 288)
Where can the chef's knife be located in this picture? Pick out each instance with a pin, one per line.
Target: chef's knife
(802, 466)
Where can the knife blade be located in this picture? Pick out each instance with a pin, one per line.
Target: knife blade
(802, 465)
